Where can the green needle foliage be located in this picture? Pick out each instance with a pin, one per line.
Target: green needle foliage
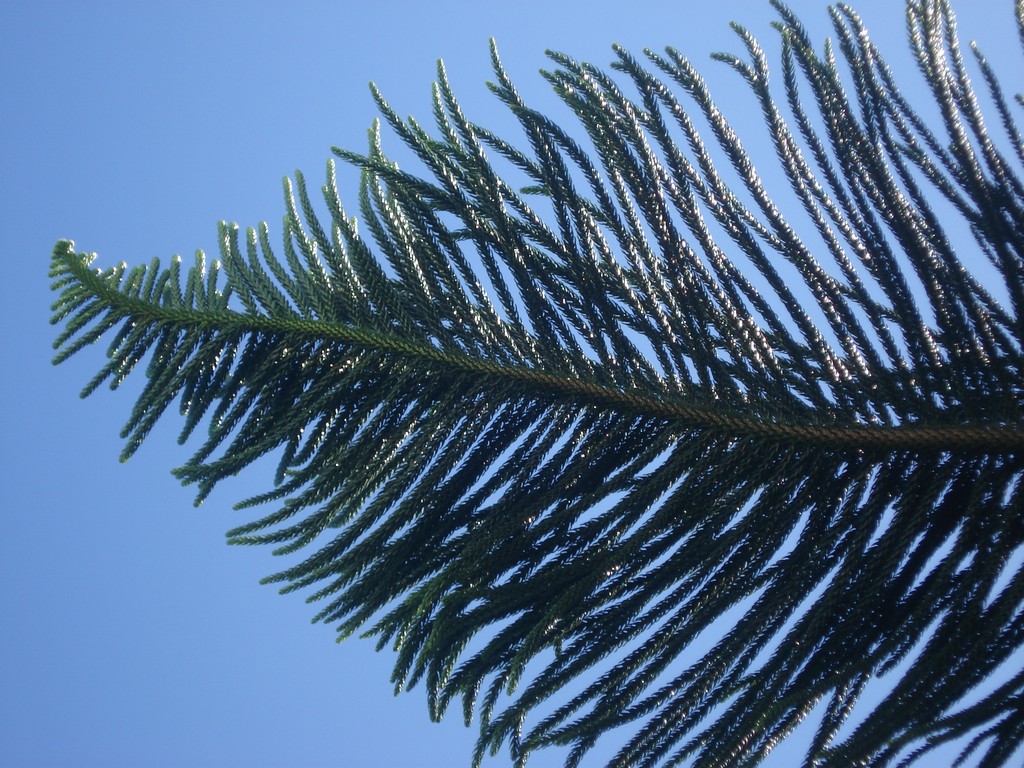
(612, 447)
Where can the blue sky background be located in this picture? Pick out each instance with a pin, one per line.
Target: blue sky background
(130, 635)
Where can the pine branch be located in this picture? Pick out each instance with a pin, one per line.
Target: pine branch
(619, 448)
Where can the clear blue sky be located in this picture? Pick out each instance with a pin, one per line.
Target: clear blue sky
(130, 635)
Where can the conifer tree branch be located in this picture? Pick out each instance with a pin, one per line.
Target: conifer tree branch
(623, 423)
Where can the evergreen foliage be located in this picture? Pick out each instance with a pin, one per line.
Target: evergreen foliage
(616, 446)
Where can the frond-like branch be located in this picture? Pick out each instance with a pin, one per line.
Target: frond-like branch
(618, 446)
